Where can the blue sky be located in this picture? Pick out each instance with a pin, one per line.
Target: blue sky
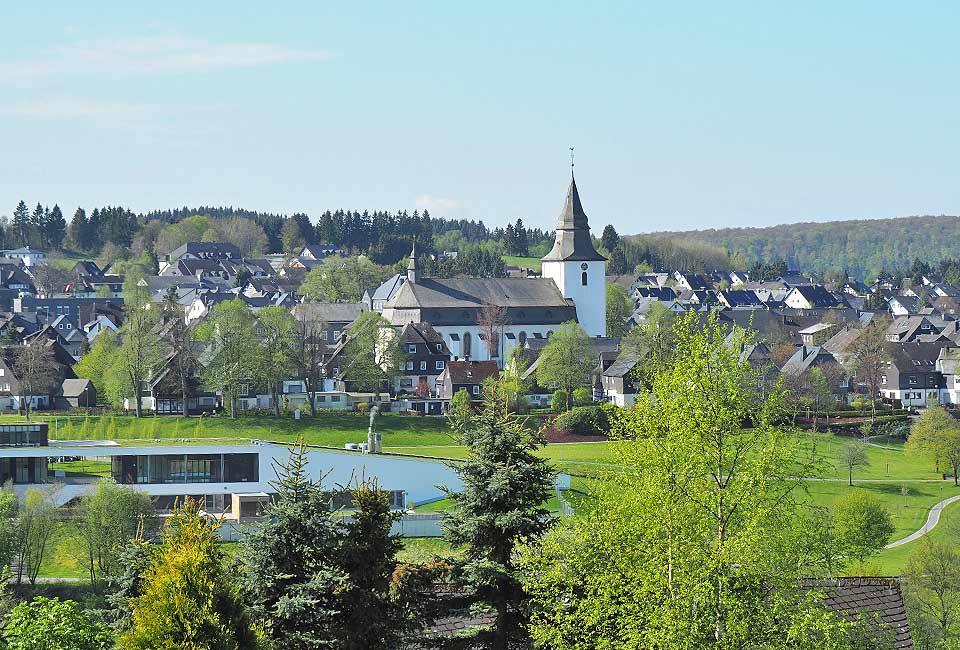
(683, 115)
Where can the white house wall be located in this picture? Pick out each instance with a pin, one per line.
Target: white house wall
(416, 477)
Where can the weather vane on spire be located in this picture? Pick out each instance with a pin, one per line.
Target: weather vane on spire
(571, 158)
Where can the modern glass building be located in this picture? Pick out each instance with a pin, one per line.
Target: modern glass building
(185, 468)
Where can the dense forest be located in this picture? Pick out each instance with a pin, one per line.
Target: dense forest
(863, 248)
(113, 233)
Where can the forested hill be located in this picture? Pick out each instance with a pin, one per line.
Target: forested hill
(862, 247)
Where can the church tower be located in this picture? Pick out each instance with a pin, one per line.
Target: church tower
(576, 267)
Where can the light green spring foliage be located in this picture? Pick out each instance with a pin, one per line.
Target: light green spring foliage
(341, 279)
(104, 525)
(862, 525)
(189, 600)
(932, 593)
(936, 435)
(619, 309)
(566, 361)
(373, 353)
(701, 544)
(461, 411)
(52, 624)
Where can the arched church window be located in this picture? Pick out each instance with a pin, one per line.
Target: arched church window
(467, 344)
(522, 337)
(583, 278)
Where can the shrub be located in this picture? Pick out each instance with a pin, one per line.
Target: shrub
(362, 407)
(583, 396)
(584, 421)
(559, 401)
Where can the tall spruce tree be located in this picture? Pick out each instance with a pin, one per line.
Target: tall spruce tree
(315, 582)
(37, 221)
(290, 574)
(77, 231)
(21, 224)
(505, 487)
(56, 228)
(610, 239)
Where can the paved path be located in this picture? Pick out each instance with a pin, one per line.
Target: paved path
(933, 518)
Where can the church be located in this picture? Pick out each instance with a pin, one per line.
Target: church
(482, 319)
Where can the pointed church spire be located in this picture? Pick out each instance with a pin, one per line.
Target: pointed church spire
(573, 240)
(412, 266)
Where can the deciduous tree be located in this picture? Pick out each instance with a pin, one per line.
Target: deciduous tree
(373, 353)
(851, 456)
(700, 541)
(567, 360)
(862, 524)
(230, 330)
(36, 371)
(619, 309)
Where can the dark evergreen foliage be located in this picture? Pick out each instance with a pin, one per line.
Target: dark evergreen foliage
(505, 486)
(315, 582)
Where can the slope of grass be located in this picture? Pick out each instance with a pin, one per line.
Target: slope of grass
(894, 561)
(532, 263)
(335, 429)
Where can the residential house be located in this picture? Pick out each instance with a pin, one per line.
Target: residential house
(332, 318)
(806, 358)
(817, 335)
(910, 329)
(617, 383)
(812, 297)
(29, 256)
(900, 306)
(425, 357)
(739, 299)
(465, 375)
(691, 281)
(911, 376)
(204, 250)
(76, 393)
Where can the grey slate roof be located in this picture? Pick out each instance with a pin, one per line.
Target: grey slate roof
(573, 242)
(389, 287)
(456, 293)
(75, 387)
(877, 602)
(330, 312)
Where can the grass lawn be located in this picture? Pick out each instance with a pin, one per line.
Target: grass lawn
(893, 561)
(62, 557)
(908, 511)
(420, 550)
(532, 263)
(335, 429)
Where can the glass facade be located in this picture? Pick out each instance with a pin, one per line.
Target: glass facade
(23, 470)
(186, 468)
(23, 435)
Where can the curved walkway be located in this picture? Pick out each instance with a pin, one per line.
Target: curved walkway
(933, 518)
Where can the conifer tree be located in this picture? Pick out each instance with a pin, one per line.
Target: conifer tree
(290, 576)
(56, 228)
(37, 221)
(188, 599)
(77, 231)
(21, 223)
(505, 486)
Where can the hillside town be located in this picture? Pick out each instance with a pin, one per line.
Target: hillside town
(456, 332)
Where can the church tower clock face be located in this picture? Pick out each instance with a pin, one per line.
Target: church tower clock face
(583, 267)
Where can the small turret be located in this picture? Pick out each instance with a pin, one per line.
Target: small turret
(412, 267)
